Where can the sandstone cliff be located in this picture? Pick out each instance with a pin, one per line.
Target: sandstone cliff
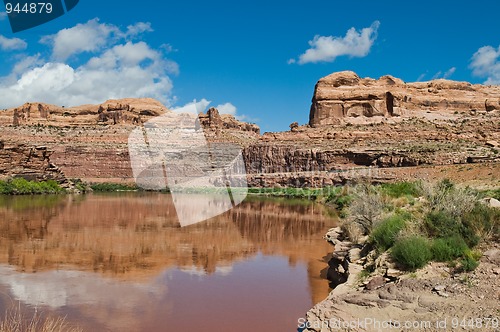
(29, 162)
(378, 130)
(344, 94)
(90, 141)
(128, 110)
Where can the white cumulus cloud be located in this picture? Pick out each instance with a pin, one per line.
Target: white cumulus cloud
(138, 28)
(119, 68)
(86, 37)
(226, 108)
(194, 107)
(486, 63)
(328, 48)
(12, 44)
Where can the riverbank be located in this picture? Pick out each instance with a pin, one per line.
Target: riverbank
(431, 299)
(431, 263)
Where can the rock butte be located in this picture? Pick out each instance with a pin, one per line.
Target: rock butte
(344, 94)
(358, 129)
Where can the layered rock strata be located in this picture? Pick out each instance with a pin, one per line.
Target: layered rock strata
(344, 94)
(29, 162)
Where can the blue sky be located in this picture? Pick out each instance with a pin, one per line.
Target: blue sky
(260, 60)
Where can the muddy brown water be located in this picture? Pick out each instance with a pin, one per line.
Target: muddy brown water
(121, 262)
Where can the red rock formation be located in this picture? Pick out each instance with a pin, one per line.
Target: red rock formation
(29, 162)
(215, 121)
(344, 94)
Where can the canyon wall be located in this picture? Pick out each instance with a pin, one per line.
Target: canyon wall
(356, 126)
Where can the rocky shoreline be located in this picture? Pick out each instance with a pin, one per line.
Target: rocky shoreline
(433, 298)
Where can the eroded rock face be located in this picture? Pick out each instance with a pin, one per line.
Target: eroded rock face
(29, 112)
(112, 112)
(345, 95)
(212, 120)
(29, 162)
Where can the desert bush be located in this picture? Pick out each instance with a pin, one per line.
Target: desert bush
(448, 249)
(353, 231)
(366, 207)
(411, 252)
(484, 221)
(385, 233)
(446, 197)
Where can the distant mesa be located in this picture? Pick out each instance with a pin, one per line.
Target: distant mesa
(345, 95)
(113, 111)
(134, 111)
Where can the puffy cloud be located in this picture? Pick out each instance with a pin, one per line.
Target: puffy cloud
(123, 69)
(486, 63)
(12, 44)
(194, 107)
(138, 28)
(26, 63)
(87, 37)
(328, 48)
(230, 109)
(226, 108)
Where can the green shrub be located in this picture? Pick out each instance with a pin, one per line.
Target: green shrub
(441, 224)
(338, 196)
(5, 188)
(384, 235)
(448, 249)
(399, 189)
(469, 263)
(482, 220)
(342, 201)
(21, 186)
(412, 252)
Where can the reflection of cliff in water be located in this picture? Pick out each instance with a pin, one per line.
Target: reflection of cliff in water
(132, 236)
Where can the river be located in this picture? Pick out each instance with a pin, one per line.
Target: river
(121, 262)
